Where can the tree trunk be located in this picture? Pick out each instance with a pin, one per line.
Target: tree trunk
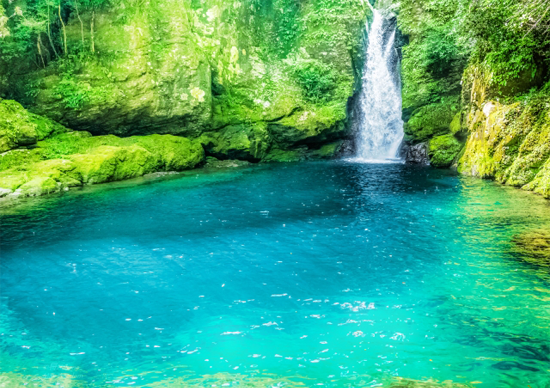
(81, 23)
(92, 31)
(40, 50)
(64, 32)
(50, 34)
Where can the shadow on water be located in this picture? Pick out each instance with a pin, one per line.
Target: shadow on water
(350, 186)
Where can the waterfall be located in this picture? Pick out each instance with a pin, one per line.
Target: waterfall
(379, 122)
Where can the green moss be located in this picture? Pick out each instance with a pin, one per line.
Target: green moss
(316, 123)
(286, 155)
(19, 157)
(510, 143)
(541, 181)
(79, 159)
(21, 128)
(431, 120)
(456, 124)
(443, 150)
(107, 163)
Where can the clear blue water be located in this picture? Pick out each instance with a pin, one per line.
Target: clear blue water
(315, 274)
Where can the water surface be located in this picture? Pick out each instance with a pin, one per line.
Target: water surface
(334, 274)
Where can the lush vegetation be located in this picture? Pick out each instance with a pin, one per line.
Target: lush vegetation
(509, 38)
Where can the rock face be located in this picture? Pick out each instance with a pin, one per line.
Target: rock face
(246, 78)
(507, 142)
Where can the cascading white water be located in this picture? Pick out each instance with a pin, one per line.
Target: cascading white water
(380, 126)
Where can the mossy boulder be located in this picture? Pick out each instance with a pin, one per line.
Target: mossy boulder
(443, 150)
(18, 157)
(327, 151)
(18, 127)
(41, 178)
(108, 163)
(241, 141)
(278, 155)
(78, 159)
(431, 120)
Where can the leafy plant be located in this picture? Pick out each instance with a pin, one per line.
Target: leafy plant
(316, 78)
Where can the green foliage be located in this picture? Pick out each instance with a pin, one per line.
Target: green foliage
(32, 33)
(317, 79)
(505, 41)
(509, 37)
(432, 68)
(287, 24)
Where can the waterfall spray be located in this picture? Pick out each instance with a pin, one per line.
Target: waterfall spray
(380, 129)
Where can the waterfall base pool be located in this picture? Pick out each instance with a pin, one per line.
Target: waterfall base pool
(331, 274)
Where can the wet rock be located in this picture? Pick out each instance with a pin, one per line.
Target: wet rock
(416, 153)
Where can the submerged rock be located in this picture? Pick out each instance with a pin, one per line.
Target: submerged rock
(533, 247)
(410, 383)
(212, 162)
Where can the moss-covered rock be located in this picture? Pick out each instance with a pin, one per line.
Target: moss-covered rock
(510, 143)
(108, 163)
(18, 127)
(245, 142)
(303, 152)
(78, 159)
(443, 150)
(431, 120)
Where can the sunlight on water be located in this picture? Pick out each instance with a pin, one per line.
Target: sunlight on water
(336, 274)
